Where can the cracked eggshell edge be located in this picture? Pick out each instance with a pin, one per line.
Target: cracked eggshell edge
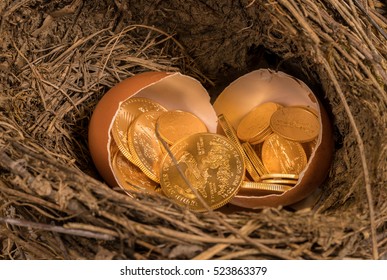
(174, 91)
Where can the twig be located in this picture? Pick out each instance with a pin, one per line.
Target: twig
(24, 223)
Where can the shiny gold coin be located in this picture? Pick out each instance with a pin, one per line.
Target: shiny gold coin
(259, 189)
(212, 165)
(231, 134)
(296, 124)
(280, 155)
(281, 176)
(144, 146)
(129, 110)
(280, 181)
(175, 125)
(130, 177)
(257, 122)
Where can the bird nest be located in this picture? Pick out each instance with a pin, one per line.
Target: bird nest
(58, 58)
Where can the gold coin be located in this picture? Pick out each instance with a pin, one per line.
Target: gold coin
(259, 189)
(296, 124)
(175, 125)
(278, 175)
(280, 181)
(128, 111)
(280, 155)
(130, 177)
(145, 148)
(257, 122)
(211, 164)
(261, 137)
(231, 134)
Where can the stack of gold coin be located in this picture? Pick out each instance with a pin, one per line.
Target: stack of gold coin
(136, 150)
(277, 142)
(231, 134)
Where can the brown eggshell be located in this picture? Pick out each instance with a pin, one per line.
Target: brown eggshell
(173, 91)
(262, 86)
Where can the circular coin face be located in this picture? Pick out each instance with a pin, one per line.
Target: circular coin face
(211, 164)
(175, 125)
(280, 155)
(296, 124)
(146, 149)
(130, 177)
(257, 122)
(128, 111)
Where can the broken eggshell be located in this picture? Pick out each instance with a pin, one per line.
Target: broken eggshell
(173, 91)
(261, 86)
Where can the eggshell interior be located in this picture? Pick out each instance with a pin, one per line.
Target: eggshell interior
(261, 86)
(174, 91)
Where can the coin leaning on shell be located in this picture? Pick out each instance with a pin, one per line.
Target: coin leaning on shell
(128, 111)
(212, 166)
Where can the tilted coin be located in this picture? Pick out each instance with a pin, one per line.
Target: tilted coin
(175, 125)
(129, 110)
(146, 149)
(130, 177)
(210, 163)
(296, 124)
(256, 123)
(280, 155)
(255, 160)
(231, 134)
(259, 189)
